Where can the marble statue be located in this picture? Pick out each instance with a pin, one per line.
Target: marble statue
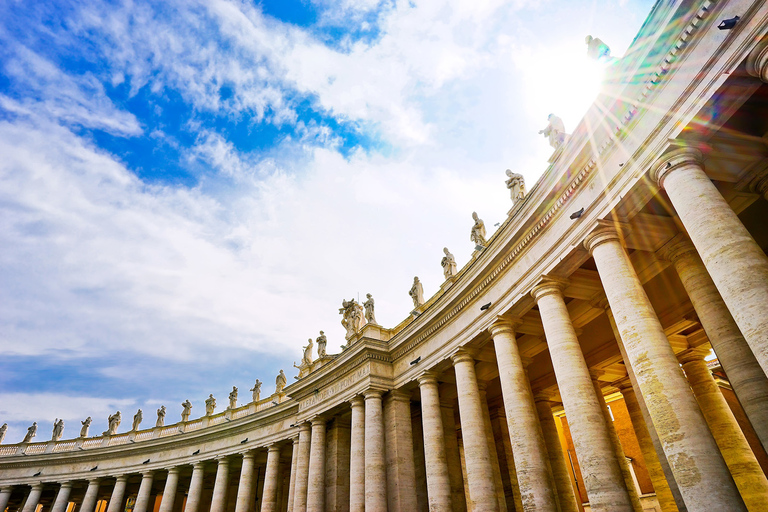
(86, 423)
(114, 422)
(321, 341)
(256, 390)
(306, 358)
(448, 263)
(353, 317)
(233, 398)
(210, 405)
(478, 231)
(370, 314)
(555, 130)
(280, 382)
(3, 430)
(187, 405)
(31, 432)
(596, 48)
(58, 429)
(137, 419)
(417, 292)
(516, 186)
(160, 417)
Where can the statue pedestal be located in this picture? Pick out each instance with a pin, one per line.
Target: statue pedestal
(79, 442)
(559, 150)
(21, 449)
(156, 432)
(448, 283)
(228, 414)
(49, 446)
(105, 439)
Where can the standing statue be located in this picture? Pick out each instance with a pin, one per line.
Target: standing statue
(160, 417)
(280, 382)
(114, 422)
(478, 231)
(31, 432)
(555, 130)
(448, 263)
(321, 341)
(370, 315)
(417, 292)
(233, 398)
(516, 186)
(210, 405)
(187, 405)
(256, 389)
(86, 423)
(58, 429)
(306, 358)
(353, 318)
(137, 419)
(3, 430)
(596, 48)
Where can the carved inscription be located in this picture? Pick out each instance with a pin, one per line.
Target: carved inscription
(334, 388)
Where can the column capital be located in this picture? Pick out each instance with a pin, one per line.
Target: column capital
(274, 447)
(37, 486)
(305, 427)
(548, 286)
(691, 355)
(542, 395)
(398, 395)
(676, 247)
(603, 231)
(94, 481)
(173, 470)
(595, 374)
(121, 478)
(248, 454)
(426, 378)
(503, 325)
(295, 441)
(482, 385)
(373, 393)
(624, 385)
(674, 160)
(198, 465)
(463, 355)
(66, 485)
(757, 61)
(357, 401)
(148, 474)
(317, 421)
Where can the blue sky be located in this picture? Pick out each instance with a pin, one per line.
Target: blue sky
(189, 189)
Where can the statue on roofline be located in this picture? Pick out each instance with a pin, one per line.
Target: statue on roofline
(555, 131)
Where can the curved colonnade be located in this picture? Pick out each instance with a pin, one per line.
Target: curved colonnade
(632, 256)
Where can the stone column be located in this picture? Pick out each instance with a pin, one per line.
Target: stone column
(5, 496)
(737, 265)
(652, 464)
(602, 474)
(294, 465)
(744, 372)
(337, 465)
(91, 496)
(61, 502)
(302, 468)
(195, 488)
(453, 458)
(477, 457)
(438, 480)
(757, 61)
(493, 452)
(565, 495)
(118, 493)
(699, 469)
(375, 467)
(534, 477)
(169, 491)
(357, 456)
(33, 498)
(219, 500)
(316, 475)
(506, 459)
(746, 471)
(243, 502)
(145, 489)
(269, 495)
(401, 470)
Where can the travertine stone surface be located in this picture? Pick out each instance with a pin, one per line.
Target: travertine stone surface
(652, 464)
(195, 488)
(294, 465)
(269, 494)
(737, 265)
(757, 61)
(169, 491)
(118, 494)
(357, 456)
(401, 473)
(337, 465)
(33, 498)
(302, 469)
(91, 495)
(699, 469)
(480, 478)
(375, 466)
(5, 496)
(493, 452)
(59, 505)
(219, 500)
(316, 476)
(532, 467)
(438, 480)
(602, 475)
(245, 486)
(742, 463)
(565, 495)
(747, 378)
(453, 458)
(145, 489)
(504, 448)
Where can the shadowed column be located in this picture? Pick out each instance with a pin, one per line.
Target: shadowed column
(219, 500)
(269, 494)
(33, 498)
(61, 502)
(316, 474)
(294, 465)
(302, 469)
(357, 456)
(145, 489)
(375, 467)
(169, 491)
(91, 496)
(438, 480)
(245, 485)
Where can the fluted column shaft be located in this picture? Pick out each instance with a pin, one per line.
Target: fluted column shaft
(357, 456)
(534, 476)
(292, 479)
(302, 468)
(316, 474)
(5, 496)
(555, 454)
(738, 455)
(477, 457)
(195, 488)
(269, 495)
(145, 489)
(652, 464)
(438, 480)
(220, 485)
(602, 475)
(737, 265)
(91, 496)
(33, 498)
(747, 378)
(375, 467)
(169, 491)
(243, 503)
(62, 498)
(699, 469)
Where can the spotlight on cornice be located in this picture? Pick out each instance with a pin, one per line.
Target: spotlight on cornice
(479, 247)
(729, 23)
(292, 425)
(485, 306)
(38, 473)
(94, 468)
(244, 441)
(621, 164)
(497, 224)
(416, 361)
(146, 461)
(415, 314)
(274, 403)
(195, 452)
(669, 164)
(576, 215)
